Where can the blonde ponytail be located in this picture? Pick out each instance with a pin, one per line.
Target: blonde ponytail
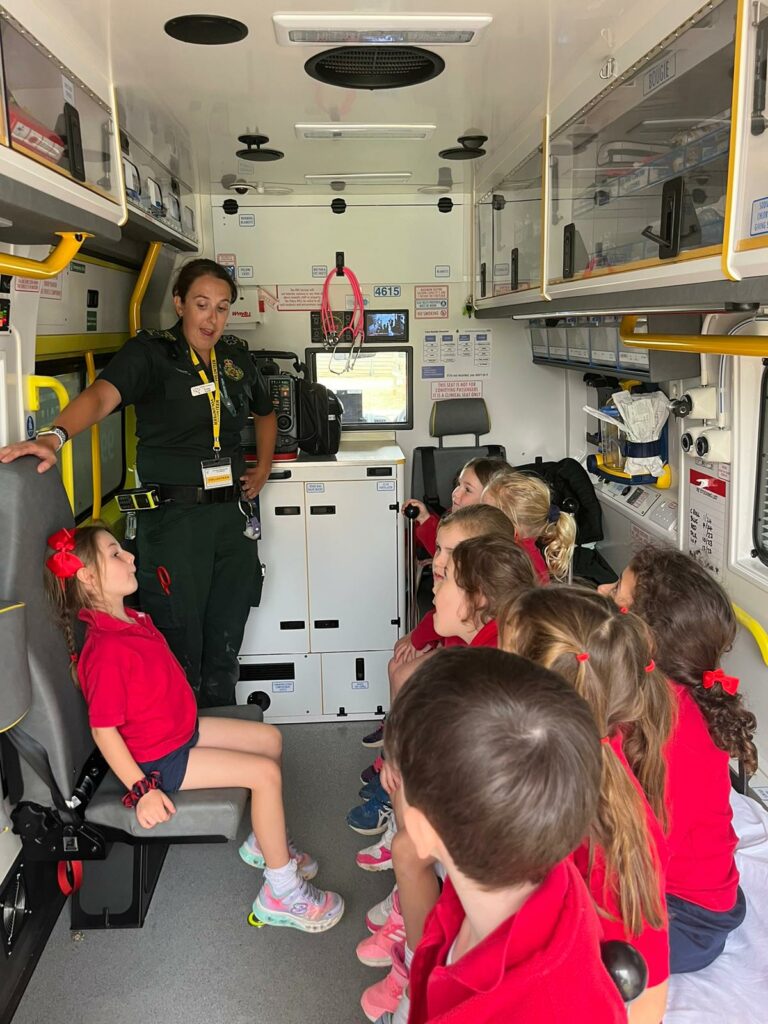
(558, 541)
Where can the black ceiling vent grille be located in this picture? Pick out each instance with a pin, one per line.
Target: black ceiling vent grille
(374, 67)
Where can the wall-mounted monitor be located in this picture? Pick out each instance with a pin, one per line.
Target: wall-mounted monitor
(387, 325)
(376, 391)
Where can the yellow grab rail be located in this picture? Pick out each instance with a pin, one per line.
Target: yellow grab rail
(90, 366)
(140, 288)
(56, 260)
(36, 383)
(715, 344)
(759, 635)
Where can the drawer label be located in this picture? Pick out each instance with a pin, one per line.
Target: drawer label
(385, 485)
(315, 488)
(661, 73)
(360, 684)
(286, 686)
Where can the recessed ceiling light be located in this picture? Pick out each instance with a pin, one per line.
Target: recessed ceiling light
(361, 178)
(389, 132)
(379, 29)
(206, 29)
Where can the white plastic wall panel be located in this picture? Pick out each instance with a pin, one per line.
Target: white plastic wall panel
(356, 682)
(292, 684)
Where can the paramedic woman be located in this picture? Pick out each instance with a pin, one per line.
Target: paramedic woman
(193, 388)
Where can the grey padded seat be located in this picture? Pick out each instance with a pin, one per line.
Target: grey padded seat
(33, 506)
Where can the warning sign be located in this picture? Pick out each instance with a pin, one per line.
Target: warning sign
(442, 389)
(26, 284)
(51, 288)
(297, 298)
(431, 301)
(707, 506)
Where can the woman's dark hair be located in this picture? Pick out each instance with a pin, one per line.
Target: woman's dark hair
(524, 762)
(190, 272)
(693, 626)
(492, 570)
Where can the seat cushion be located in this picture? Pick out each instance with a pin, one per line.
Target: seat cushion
(200, 813)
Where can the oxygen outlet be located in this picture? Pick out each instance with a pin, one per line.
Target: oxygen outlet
(714, 445)
(687, 442)
(702, 403)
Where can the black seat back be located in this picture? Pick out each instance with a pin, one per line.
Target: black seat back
(32, 507)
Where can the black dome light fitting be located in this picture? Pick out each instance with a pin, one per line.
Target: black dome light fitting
(338, 205)
(257, 155)
(374, 67)
(206, 29)
(445, 204)
(470, 147)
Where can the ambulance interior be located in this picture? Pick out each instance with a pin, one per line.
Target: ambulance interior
(544, 205)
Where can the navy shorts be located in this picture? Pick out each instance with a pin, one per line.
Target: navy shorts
(173, 766)
(697, 935)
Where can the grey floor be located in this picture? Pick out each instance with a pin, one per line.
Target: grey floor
(196, 960)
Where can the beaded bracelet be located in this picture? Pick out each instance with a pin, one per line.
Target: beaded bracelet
(140, 788)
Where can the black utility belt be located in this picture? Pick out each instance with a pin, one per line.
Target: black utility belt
(151, 496)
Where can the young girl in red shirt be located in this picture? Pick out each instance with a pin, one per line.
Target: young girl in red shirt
(143, 717)
(606, 657)
(526, 500)
(693, 626)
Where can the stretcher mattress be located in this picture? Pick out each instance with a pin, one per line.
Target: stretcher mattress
(734, 989)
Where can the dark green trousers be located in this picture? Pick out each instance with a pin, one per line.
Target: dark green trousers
(215, 580)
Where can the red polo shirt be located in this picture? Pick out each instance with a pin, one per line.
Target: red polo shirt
(529, 545)
(426, 533)
(541, 966)
(487, 637)
(130, 680)
(702, 868)
(424, 634)
(652, 943)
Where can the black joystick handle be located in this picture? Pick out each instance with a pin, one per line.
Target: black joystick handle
(411, 512)
(626, 967)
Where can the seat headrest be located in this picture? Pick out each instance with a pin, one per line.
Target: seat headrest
(459, 416)
(15, 685)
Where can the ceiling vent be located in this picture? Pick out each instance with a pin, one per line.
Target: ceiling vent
(350, 132)
(470, 147)
(374, 67)
(379, 29)
(206, 29)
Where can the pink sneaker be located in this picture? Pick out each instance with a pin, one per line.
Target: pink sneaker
(306, 908)
(251, 853)
(377, 916)
(376, 950)
(384, 996)
(377, 857)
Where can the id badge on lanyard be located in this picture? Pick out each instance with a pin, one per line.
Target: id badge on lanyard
(216, 472)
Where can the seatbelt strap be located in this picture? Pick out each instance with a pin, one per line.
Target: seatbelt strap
(431, 497)
(36, 756)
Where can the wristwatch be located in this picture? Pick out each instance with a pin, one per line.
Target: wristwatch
(55, 431)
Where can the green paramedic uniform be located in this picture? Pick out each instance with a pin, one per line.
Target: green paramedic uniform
(196, 535)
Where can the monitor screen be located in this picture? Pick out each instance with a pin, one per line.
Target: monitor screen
(376, 392)
(386, 325)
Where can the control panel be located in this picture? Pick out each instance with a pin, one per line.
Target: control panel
(341, 320)
(5, 313)
(649, 504)
(282, 390)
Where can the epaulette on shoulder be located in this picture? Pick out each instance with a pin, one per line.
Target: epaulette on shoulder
(234, 342)
(159, 335)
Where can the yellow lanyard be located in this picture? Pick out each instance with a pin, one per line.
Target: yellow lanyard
(215, 398)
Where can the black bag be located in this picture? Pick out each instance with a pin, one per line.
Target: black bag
(320, 413)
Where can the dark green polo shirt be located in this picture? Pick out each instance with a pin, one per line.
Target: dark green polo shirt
(154, 372)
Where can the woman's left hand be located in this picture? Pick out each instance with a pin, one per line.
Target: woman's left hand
(252, 481)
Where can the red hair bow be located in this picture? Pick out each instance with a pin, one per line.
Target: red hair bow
(63, 563)
(729, 683)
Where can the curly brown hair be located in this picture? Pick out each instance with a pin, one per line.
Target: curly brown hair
(693, 625)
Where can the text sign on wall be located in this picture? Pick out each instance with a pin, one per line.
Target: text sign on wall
(707, 507)
(442, 389)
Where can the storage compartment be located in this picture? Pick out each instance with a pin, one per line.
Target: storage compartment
(640, 176)
(53, 117)
(752, 202)
(516, 206)
(356, 683)
(283, 687)
(162, 199)
(484, 287)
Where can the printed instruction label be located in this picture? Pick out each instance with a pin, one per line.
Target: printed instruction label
(430, 301)
(443, 270)
(245, 273)
(284, 686)
(226, 259)
(442, 389)
(26, 284)
(385, 485)
(91, 320)
(461, 355)
(320, 270)
(51, 288)
(68, 88)
(758, 224)
(315, 488)
(360, 684)
(299, 298)
(247, 220)
(707, 507)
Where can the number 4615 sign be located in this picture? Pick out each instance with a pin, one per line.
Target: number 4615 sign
(386, 291)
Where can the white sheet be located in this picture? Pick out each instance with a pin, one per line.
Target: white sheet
(734, 989)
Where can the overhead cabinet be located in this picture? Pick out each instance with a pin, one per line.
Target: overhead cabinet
(58, 161)
(516, 219)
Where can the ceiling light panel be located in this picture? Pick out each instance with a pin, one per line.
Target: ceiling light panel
(379, 29)
(388, 132)
(361, 178)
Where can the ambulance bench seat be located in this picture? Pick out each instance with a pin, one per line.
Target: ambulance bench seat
(120, 861)
(435, 468)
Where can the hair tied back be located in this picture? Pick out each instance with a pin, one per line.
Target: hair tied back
(729, 683)
(554, 514)
(582, 656)
(63, 563)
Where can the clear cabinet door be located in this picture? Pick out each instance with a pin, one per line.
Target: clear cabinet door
(751, 228)
(640, 176)
(151, 188)
(516, 206)
(53, 118)
(484, 287)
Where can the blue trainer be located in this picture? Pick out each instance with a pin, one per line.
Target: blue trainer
(371, 818)
(374, 790)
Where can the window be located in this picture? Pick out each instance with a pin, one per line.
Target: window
(377, 392)
(760, 521)
(72, 374)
